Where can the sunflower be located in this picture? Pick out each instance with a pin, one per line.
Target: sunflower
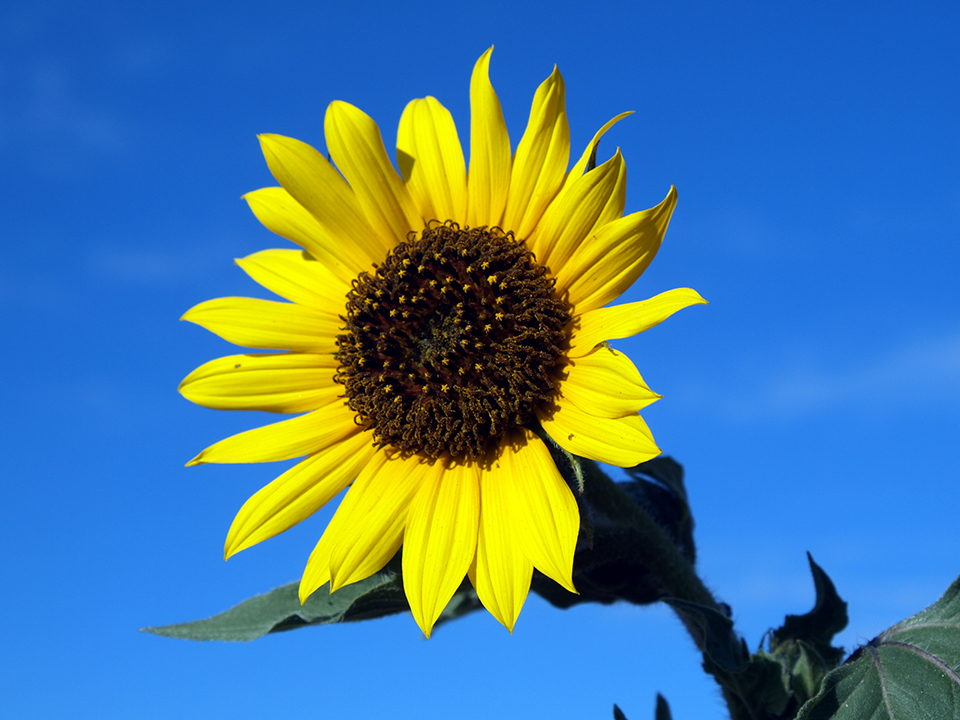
(443, 326)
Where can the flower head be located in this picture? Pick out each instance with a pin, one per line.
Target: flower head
(442, 326)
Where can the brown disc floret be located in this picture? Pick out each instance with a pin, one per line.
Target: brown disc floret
(451, 341)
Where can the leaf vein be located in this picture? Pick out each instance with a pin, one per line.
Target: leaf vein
(884, 690)
(929, 657)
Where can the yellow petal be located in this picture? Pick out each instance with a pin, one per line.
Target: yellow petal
(368, 527)
(298, 277)
(544, 514)
(431, 160)
(606, 383)
(612, 259)
(501, 573)
(299, 492)
(279, 382)
(590, 152)
(624, 441)
(489, 179)
(317, 572)
(541, 158)
(267, 324)
(284, 440)
(315, 183)
(620, 321)
(440, 540)
(280, 213)
(592, 202)
(356, 146)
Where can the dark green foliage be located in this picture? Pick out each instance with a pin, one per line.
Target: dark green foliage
(663, 710)
(278, 610)
(908, 672)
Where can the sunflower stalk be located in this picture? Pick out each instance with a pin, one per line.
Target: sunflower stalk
(669, 571)
(651, 546)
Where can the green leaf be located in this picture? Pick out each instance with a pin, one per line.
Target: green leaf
(279, 610)
(721, 646)
(908, 672)
(802, 646)
(665, 499)
(817, 628)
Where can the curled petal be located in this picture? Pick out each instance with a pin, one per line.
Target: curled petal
(623, 442)
(606, 383)
(541, 159)
(592, 201)
(490, 161)
(590, 152)
(620, 321)
(614, 256)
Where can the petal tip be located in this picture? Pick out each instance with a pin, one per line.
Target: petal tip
(699, 298)
(303, 595)
(307, 589)
(425, 629)
(198, 460)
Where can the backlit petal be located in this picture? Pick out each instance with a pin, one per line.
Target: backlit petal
(356, 146)
(284, 440)
(606, 383)
(440, 540)
(315, 183)
(280, 213)
(431, 160)
(502, 572)
(267, 324)
(278, 382)
(298, 277)
(620, 321)
(317, 572)
(612, 259)
(624, 441)
(490, 161)
(541, 159)
(544, 513)
(299, 492)
(590, 152)
(368, 527)
(592, 201)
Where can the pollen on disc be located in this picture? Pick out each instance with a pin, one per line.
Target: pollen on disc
(451, 341)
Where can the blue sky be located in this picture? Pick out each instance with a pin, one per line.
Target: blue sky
(815, 402)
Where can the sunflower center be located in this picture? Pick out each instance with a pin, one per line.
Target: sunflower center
(451, 342)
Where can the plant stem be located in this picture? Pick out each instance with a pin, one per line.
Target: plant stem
(654, 549)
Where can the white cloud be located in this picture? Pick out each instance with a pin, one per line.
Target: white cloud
(925, 370)
(141, 264)
(921, 372)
